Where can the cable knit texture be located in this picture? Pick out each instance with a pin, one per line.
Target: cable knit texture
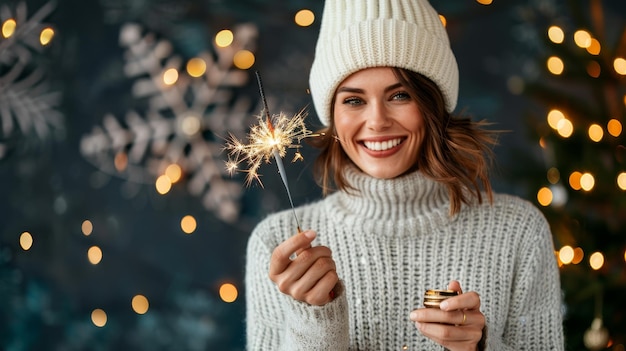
(393, 240)
(357, 34)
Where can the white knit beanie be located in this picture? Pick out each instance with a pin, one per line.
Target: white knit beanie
(357, 34)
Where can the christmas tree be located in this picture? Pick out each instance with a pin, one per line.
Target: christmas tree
(580, 179)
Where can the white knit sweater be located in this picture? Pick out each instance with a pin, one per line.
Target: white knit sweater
(391, 242)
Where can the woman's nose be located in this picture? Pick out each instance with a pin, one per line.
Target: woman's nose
(377, 117)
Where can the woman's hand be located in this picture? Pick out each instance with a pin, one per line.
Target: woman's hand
(458, 323)
(309, 277)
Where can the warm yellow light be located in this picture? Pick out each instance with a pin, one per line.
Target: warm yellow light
(120, 161)
(566, 254)
(587, 181)
(243, 59)
(86, 227)
(596, 260)
(556, 35)
(596, 133)
(574, 180)
(224, 38)
(94, 254)
(443, 20)
(174, 172)
(140, 304)
(46, 36)
(594, 69)
(26, 241)
(196, 67)
(542, 142)
(228, 292)
(554, 175)
(544, 196)
(99, 317)
(579, 254)
(565, 128)
(614, 127)
(170, 76)
(620, 66)
(594, 47)
(621, 180)
(304, 18)
(163, 184)
(554, 117)
(555, 65)
(191, 125)
(188, 224)
(484, 2)
(8, 28)
(582, 38)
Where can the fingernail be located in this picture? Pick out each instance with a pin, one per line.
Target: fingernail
(443, 305)
(309, 234)
(413, 315)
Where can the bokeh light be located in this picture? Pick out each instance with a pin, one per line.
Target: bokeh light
(243, 59)
(565, 128)
(621, 180)
(228, 292)
(443, 20)
(8, 28)
(574, 180)
(579, 254)
(566, 254)
(555, 65)
(484, 2)
(46, 36)
(94, 254)
(188, 224)
(174, 172)
(594, 69)
(582, 38)
(556, 35)
(620, 66)
(544, 196)
(163, 184)
(304, 18)
(26, 241)
(554, 117)
(553, 175)
(191, 125)
(170, 76)
(594, 47)
(86, 227)
(614, 127)
(196, 67)
(140, 304)
(587, 181)
(224, 38)
(596, 260)
(99, 317)
(596, 133)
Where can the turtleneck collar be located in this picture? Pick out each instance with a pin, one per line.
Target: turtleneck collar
(403, 198)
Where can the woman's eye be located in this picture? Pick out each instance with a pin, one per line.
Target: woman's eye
(401, 96)
(352, 101)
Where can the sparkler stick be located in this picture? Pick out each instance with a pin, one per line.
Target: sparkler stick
(268, 139)
(279, 160)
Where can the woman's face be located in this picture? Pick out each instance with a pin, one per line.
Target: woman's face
(379, 125)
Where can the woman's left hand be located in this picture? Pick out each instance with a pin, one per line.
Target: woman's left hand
(457, 324)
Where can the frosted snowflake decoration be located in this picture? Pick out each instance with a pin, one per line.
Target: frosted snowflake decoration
(27, 107)
(189, 108)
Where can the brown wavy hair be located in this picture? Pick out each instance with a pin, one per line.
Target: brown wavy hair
(456, 151)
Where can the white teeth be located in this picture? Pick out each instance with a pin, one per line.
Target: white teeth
(382, 145)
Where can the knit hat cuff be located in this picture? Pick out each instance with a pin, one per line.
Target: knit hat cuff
(380, 43)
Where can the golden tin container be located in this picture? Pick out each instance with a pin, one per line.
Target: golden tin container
(432, 298)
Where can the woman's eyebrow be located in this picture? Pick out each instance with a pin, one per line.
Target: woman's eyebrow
(361, 91)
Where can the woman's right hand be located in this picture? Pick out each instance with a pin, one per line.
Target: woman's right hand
(311, 276)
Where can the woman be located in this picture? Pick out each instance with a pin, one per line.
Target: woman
(413, 209)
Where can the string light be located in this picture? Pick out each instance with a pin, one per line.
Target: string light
(621, 180)
(188, 224)
(174, 172)
(596, 133)
(574, 180)
(170, 76)
(26, 241)
(8, 28)
(224, 38)
(566, 254)
(94, 254)
(555, 65)
(304, 18)
(484, 2)
(565, 128)
(554, 117)
(587, 181)
(614, 127)
(582, 38)
(140, 304)
(243, 59)
(596, 260)
(228, 292)
(86, 227)
(594, 69)
(579, 254)
(594, 47)
(99, 317)
(620, 66)
(163, 184)
(196, 67)
(544, 196)
(443, 20)
(46, 36)
(556, 35)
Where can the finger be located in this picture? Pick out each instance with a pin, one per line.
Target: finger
(280, 256)
(455, 286)
(320, 293)
(310, 273)
(467, 301)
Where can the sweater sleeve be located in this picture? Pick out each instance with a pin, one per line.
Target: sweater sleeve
(535, 318)
(275, 321)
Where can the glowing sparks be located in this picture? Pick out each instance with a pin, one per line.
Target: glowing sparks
(271, 137)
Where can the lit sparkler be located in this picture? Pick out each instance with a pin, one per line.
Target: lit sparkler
(268, 139)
